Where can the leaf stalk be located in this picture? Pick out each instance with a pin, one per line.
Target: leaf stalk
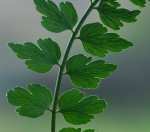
(64, 60)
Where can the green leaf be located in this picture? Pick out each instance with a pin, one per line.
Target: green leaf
(78, 109)
(40, 59)
(113, 16)
(140, 3)
(55, 19)
(87, 74)
(32, 102)
(70, 130)
(75, 130)
(96, 41)
(89, 130)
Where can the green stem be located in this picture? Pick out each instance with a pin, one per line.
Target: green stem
(64, 60)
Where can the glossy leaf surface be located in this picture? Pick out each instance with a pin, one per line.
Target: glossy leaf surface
(57, 19)
(32, 102)
(140, 3)
(97, 42)
(113, 16)
(40, 59)
(87, 74)
(78, 109)
(70, 130)
(75, 130)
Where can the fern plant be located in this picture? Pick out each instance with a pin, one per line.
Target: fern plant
(76, 108)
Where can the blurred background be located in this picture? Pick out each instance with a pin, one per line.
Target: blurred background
(127, 91)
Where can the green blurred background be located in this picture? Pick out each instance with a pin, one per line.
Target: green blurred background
(127, 91)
